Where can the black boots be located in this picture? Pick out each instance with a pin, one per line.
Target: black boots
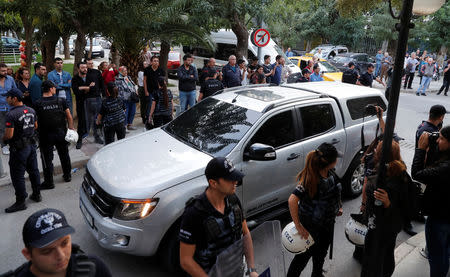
(18, 206)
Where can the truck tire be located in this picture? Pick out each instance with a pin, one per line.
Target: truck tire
(169, 250)
(354, 178)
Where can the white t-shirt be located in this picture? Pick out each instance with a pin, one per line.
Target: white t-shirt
(244, 73)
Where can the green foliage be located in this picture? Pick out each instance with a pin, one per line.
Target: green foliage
(382, 25)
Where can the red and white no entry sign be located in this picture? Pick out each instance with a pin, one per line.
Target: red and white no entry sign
(261, 37)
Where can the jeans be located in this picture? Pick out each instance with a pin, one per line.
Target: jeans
(437, 235)
(2, 125)
(69, 101)
(377, 69)
(409, 77)
(385, 255)
(445, 85)
(130, 111)
(47, 142)
(110, 131)
(424, 85)
(20, 161)
(187, 98)
(91, 109)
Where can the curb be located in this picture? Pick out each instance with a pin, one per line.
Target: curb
(404, 249)
(56, 171)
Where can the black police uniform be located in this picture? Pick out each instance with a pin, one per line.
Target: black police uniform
(51, 112)
(211, 231)
(210, 87)
(23, 150)
(350, 76)
(366, 79)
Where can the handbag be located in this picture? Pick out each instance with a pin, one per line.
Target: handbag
(134, 97)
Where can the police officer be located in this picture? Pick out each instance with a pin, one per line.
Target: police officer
(350, 75)
(210, 86)
(54, 116)
(19, 134)
(50, 252)
(213, 221)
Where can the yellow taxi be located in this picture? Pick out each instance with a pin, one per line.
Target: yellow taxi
(330, 72)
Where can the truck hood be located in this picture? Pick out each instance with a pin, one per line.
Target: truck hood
(141, 166)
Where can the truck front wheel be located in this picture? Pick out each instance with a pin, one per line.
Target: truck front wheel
(169, 250)
(354, 177)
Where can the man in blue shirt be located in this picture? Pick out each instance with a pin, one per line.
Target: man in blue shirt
(36, 82)
(378, 59)
(6, 83)
(63, 82)
(277, 68)
(316, 77)
(231, 73)
(289, 53)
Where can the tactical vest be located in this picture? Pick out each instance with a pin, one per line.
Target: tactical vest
(80, 265)
(51, 115)
(220, 232)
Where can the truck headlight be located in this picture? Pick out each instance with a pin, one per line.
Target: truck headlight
(129, 209)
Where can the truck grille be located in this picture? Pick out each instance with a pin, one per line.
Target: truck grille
(102, 201)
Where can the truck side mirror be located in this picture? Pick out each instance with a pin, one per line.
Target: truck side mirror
(260, 152)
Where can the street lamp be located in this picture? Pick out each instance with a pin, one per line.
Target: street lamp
(418, 7)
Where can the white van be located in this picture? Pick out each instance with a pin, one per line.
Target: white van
(225, 42)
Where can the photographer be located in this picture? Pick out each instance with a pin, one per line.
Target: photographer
(435, 203)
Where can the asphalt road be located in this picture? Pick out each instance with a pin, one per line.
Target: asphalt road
(412, 110)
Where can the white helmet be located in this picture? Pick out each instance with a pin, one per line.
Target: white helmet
(293, 242)
(71, 136)
(355, 232)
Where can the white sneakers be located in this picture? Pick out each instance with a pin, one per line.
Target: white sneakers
(5, 150)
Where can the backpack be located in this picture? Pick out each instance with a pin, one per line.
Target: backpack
(80, 265)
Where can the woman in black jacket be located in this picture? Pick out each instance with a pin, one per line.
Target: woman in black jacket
(436, 203)
(314, 205)
(394, 208)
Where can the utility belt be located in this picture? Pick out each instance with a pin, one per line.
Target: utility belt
(21, 143)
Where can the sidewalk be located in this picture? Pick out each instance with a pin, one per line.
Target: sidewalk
(409, 262)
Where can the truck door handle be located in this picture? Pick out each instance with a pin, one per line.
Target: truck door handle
(293, 156)
(335, 141)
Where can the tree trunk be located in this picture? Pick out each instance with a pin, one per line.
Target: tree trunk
(66, 46)
(384, 46)
(28, 30)
(441, 54)
(48, 53)
(131, 60)
(308, 46)
(239, 29)
(164, 55)
(91, 40)
(78, 50)
(114, 55)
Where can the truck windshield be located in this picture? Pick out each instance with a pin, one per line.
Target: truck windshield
(213, 126)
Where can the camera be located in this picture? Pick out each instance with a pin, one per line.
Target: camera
(371, 109)
(432, 138)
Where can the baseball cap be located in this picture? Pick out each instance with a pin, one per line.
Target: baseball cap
(221, 167)
(44, 227)
(350, 64)
(14, 92)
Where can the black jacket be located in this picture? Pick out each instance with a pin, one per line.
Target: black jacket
(437, 179)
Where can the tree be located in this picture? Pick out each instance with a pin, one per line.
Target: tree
(382, 27)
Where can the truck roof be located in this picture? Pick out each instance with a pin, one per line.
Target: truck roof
(262, 98)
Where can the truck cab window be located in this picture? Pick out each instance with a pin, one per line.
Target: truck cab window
(317, 119)
(277, 131)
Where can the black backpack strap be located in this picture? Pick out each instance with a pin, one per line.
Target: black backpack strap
(82, 266)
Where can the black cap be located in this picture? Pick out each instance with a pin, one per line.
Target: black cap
(221, 167)
(44, 227)
(350, 64)
(14, 92)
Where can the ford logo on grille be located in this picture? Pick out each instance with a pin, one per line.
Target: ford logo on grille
(91, 191)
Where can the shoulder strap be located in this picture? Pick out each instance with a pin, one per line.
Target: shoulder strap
(82, 266)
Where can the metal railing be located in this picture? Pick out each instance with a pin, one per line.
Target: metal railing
(9, 55)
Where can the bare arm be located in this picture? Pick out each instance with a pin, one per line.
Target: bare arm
(293, 209)
(99, 119)
(69, 119)
(200, 97)
(145, 86)
(152, 109)
(9, 132)
(248, 247)
(187, 261)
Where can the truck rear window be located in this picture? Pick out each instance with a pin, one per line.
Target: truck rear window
(357, 106)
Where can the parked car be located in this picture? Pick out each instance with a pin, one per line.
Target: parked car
(10, 43)
(330, 73)
(361, 60)
(132, 197)
(329, 51)
(225, 42)
(97, 50)
(173, 61)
